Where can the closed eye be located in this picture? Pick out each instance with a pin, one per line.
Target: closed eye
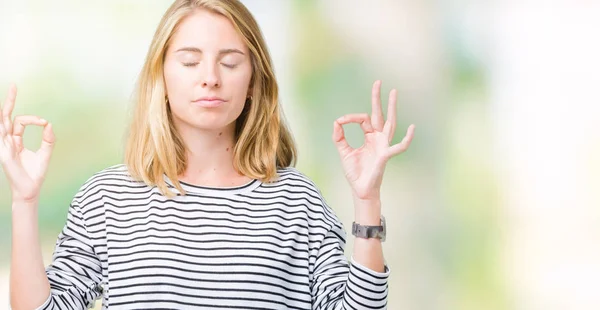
(229, 66)
(193, 64)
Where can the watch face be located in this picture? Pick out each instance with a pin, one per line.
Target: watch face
(382, 233)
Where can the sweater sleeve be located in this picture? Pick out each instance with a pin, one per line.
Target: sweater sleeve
(341, 284)
(75, 273)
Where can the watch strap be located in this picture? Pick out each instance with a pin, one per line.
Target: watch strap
(369, 231)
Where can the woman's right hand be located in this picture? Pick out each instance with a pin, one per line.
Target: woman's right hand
(24, 168)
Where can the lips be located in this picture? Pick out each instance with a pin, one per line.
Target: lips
(209, 102)
(209, 98)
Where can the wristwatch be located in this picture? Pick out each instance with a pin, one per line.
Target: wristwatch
(363, 231)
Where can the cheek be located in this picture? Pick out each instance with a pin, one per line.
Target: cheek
(240, 81)
(174, 76)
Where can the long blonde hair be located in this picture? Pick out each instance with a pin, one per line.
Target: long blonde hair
(154, 148)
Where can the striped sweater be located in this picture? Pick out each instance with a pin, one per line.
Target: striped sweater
(257, 246)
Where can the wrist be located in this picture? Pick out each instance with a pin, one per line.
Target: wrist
(367, 212)
(18, 204)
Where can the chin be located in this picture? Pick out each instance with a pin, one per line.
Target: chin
(205, 120)
(209, 123)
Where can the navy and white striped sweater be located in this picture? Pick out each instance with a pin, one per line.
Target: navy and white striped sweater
(257, 246)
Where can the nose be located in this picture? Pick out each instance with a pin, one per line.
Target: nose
(210, 76)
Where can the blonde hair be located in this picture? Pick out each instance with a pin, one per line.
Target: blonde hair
(263, 142)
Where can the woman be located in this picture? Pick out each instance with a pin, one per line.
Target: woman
(206, 211)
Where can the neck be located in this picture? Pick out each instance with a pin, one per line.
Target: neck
(209, 155)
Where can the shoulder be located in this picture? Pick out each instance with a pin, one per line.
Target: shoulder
(297, 184)
(291, 176)
(110, 179)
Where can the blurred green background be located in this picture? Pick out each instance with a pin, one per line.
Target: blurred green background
(495, 204)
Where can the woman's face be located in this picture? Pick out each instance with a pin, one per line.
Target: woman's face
(207, 72)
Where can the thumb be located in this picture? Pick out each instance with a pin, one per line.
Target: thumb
(339, 139)
(48, 141)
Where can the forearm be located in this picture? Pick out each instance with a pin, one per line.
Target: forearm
(29, 286)
(368, 252)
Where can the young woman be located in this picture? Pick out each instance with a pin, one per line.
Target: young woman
(207, 210)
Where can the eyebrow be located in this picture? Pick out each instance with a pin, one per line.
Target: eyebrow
(221, 52)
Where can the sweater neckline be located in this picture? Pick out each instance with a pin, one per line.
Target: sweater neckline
(210, 190)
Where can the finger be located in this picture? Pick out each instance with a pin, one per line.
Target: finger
(340, 140)
(404, 144)
(3, 132)
(19, 125)
(1, 116)
(48, 142)
(376, 113)
(23, 121)
(390, 124)
(9, 104)
(363, 119)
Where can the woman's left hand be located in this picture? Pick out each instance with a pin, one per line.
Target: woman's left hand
(364, 166)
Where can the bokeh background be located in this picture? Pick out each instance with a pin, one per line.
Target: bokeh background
(494, 206)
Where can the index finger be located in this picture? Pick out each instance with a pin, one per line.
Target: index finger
(23, 121)
(362, 119)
